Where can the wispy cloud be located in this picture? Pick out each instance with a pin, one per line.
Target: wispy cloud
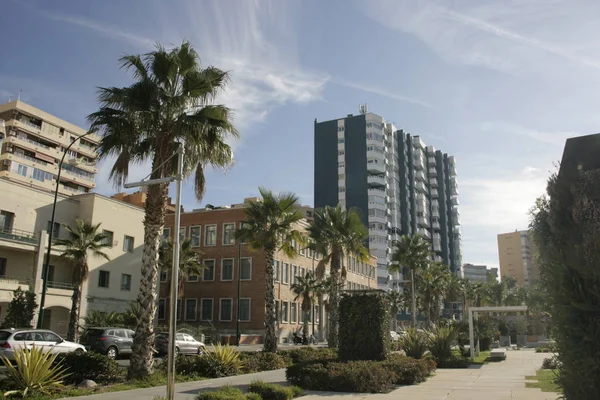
(382, 92)
(553, 138)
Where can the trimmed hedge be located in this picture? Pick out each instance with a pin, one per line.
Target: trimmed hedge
(364, 331)
(271, 391)
(453, 362)
(359, 376)
(201, 366)
(262, 361)
(304, 354)
(94, 366)
(227, 393)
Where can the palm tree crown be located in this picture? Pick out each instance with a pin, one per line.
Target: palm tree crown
(189, 263)
(412, 252)
(306, 288)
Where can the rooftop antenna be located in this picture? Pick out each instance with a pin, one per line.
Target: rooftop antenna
(19, 98)
(362, 108)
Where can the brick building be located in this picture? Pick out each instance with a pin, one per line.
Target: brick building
(211, 300)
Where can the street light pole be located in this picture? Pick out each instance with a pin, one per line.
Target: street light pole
(239, 290)
(51, 234)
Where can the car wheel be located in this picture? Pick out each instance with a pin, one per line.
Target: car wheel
(112, 353)
(200, 351)
(79, 352)
(176, 351)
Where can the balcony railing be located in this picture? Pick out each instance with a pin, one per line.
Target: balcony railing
(13, 280)
(31, 124)
(89, 177)
(60, 285)
(32, 159)
(18, 235)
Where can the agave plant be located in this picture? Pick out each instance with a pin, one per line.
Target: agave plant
(224, 360)
(414, 343)
(440, 339)
(36, 372)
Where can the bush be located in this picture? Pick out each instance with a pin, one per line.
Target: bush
(94, 366)
(305, 354)
(224, 393)
(189, 366)
(262, 361)
(408, 371)
(223, 361)
(440, 340)
(414, 343)
(364, 329)
(551, 363)
(351, 376)
(271, 391)
(453, 362)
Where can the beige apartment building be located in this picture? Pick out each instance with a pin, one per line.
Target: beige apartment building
(32, 143)
(516, 252)
(25, 213)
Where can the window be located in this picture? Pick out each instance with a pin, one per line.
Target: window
(193, 278)
(277, 313)
(301, 272)
(55, 230)
(294, 273)
(21, 170)
(225, 309)
(195, 236)
(103, 279)
(276, 270)
(108, 238)
(206, 311)
(284, 311)
(210, 235)
(227, 269)
(243, 225)
(244, 314)
(178, 311)
(182, 233)
(167, 233)
(228, 234)
(163, 275)
(128, 244)
(6, 221)
(285, 273)
(209, 271)
(246, 269)
(162, 305)
(190, 309)
(2, 267)
(125, 282)
(302, 250)
(39, 175)
(294, 313)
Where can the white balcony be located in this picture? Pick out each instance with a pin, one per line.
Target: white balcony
(376, 180)
(435, 224)
(376, 166)
(420, 175)
(424, 232)
(433, 182)
(431, 161)
(423, 222)
(432, 171)
(420, 186)
(434, 193)
(455, 200)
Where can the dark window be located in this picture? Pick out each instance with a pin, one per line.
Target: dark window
(6, 221)
(207, 310)
(55, 231)
(103, 279)
(190, 309)
(2, 267)
(225, 309)
(125, 282)
(128, 244)
(244, 310)
(162, 305)
(109, 238)
(209, 272)
(246, 269)
(227, 269)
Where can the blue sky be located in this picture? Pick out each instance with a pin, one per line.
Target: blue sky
(499, 84)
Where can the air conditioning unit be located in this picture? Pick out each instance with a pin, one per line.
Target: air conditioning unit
(9, 148)
(7, 162)
(12, 132)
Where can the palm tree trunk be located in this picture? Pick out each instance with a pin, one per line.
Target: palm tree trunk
(306, 316)
(414, 298)
(74, 314)
(270, 322)
(142, 357)
(334, 315)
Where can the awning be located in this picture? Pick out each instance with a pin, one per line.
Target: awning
(45, 158)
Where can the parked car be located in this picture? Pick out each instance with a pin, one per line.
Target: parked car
(12, 340)
(184, 344)
(394, 336)
(113, 342)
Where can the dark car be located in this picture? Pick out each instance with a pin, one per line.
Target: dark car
(113, 342)
(184, 344)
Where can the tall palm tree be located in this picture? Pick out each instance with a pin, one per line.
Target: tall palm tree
(305, 288)
(270, 226)
(412, 252)
(168, 105)
(84, 239)
(336, 233)
(189, 263)
(396, 301)
(433, 282)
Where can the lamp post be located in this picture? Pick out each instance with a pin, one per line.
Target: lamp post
(239, 290)
(51, 234)
(178, 178)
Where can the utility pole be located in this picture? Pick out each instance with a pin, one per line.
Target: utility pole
(239, 290)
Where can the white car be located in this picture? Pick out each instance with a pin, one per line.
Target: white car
(394, 336)
(12, 340)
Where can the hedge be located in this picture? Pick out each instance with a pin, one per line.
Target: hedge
(364, 331)
(94, 366)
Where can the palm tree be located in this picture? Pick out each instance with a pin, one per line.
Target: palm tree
(412, 252)
(189, 263)
(270, 226)
(396, 301)
(336, 233)
(84, 239)
(433, 282)
(305, 288)
(169, 105)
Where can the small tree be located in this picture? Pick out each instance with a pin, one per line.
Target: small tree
(21, 309)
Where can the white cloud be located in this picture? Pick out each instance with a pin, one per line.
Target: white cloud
(553, 138)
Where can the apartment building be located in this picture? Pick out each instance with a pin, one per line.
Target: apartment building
(211, 300)
(25, 214)
(475, 273)
(398, 183)
(516, 251)
(32, 143)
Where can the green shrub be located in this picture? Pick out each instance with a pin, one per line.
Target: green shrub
(223, 361)
(253, 396)
(414, 343)
(350, 376)
(305, 354)
(453, 362)
(206, 365)
(94, 366)
(271, 391)
(551, 363)
(262, 361)
(407, 370)
(223, 393)
(364, 330)
(440, 339)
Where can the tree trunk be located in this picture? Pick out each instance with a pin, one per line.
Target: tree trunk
(270, 322)
(334, 315)
(306, 316)
(74, 314)
(414, 298)
(142, 357)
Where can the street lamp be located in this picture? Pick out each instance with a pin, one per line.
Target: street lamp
(51, 233)
(239, 290)
(178, 178)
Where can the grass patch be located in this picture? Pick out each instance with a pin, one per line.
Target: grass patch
(546, 380)
(482, 358)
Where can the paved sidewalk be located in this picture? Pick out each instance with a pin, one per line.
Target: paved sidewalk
(494, 381)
